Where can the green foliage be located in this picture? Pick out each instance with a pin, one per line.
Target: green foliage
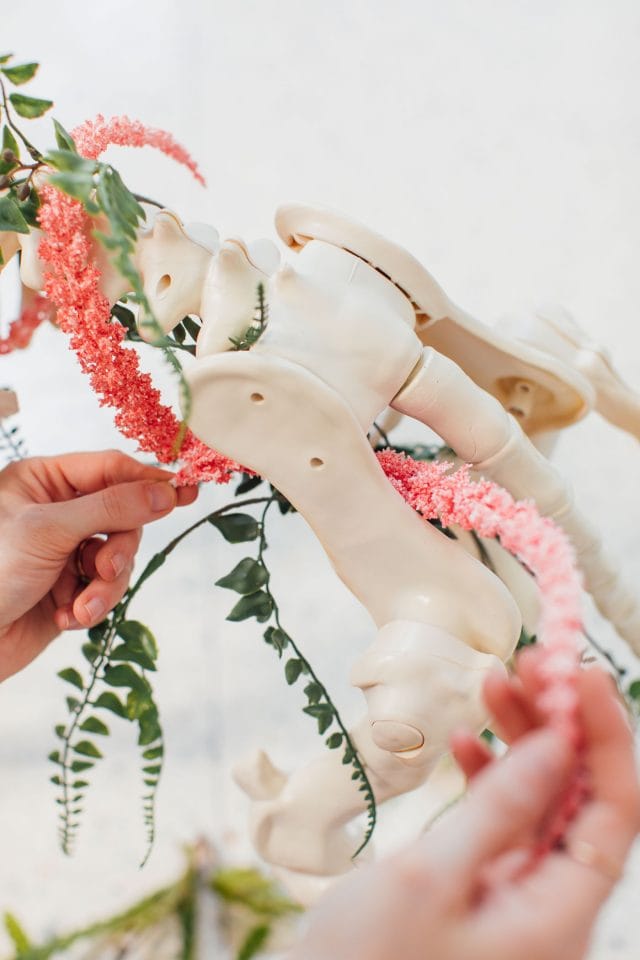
(254, 941)
(29, 107)
(11, 216)
(251, 579)
(257, 326)
(237, 527)
(111, 664)
(16, 934)
(20, 74)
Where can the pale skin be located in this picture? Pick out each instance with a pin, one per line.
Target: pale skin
(48, 507)
(460, 891)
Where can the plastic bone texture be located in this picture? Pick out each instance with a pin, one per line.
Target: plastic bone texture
(357, 327)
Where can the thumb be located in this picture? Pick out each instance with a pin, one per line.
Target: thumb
(123, 506)
(506, 804)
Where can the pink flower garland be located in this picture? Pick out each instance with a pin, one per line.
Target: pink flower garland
(35, 310)
(72, 282)
(545, 550)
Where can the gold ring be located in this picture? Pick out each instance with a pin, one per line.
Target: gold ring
(77, 559)
(589, 856)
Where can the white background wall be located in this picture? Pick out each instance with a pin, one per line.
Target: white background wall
(499, 141)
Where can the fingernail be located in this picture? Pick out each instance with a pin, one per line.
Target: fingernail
(118, 562)
(94, 608)
(66, 619)
(162, 496)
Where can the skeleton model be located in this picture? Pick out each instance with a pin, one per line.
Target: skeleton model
(356, 326)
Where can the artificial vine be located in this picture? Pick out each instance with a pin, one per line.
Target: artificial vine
(251, 908)
(251, 579)
(97, 185)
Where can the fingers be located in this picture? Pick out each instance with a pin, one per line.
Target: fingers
(108, 558)
(609, 822)
(471, 753)
(122, 507)
(89, 472)
(513, 712)
(507, 800)
(100, 596)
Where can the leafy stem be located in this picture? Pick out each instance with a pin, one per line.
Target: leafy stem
(33, 151)
(320, 705)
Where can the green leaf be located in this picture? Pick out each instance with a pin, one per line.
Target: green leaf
(17, 934)
(236, 527)
(313, 691)
(97, 633)
(126, 651)
(253, 942)
(634, 690)
(94, 725)
(248, 483)
(149, 728)
(20, 74)
(29, 208)
(192, 327)
(29, 107)
(79, 765)
(63, 139)
(11, 218)
(69, 161)
(9, 142)
(77, 185)
(71, 675)
(124, 676)
(138, 636)
(54, 757)
(156, 561)
(56, 779)
(258, 605)
(109, 701)
(153, 753)
(90, 651)
(79, 784)
(277, 638)
(138, 703)
(334, 741)
(72, 704)
(246, 577)
(322, 713)
(153, 771)
(292, 670)
(5, 57)
(86, 749)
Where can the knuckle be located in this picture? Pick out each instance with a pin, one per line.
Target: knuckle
(114, 505)
(114, 463)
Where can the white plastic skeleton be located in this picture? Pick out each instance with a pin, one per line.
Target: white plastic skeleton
(357, 325)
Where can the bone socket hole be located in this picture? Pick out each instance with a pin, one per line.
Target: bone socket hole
(316, 463)
(163, 285)
(257, 398)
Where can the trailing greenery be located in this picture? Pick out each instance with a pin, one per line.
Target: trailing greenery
(97, 185)
(250, 578)
(251, 904)
(119, 655)
(257, 326)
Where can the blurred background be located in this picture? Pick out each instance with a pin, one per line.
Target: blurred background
(499, 141)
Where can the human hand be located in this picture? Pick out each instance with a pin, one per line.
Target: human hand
(48, 507)
(461, 890)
